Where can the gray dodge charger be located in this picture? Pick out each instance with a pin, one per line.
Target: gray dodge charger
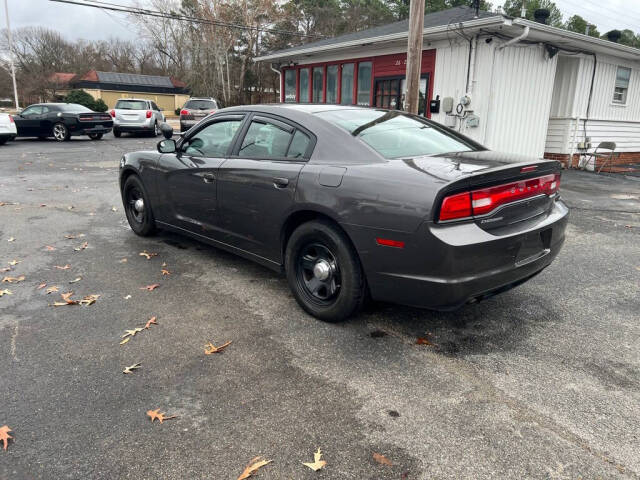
(353, 203)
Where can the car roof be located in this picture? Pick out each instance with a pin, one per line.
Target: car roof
(136, 99)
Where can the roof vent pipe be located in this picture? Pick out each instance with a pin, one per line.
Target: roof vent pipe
(541, 15)
(614, 35)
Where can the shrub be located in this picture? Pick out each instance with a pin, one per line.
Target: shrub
(100, 106)
(178, 111)
(80, 97)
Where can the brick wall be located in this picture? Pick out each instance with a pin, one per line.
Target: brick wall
(621, 162)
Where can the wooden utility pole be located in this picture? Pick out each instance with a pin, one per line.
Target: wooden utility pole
(414, 55)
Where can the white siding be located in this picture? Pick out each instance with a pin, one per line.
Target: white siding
(560, 133)
(520, 99)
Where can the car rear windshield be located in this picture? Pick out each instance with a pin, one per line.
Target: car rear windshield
(394, 134)
(200, 104)
(131, 105)
(73, 108)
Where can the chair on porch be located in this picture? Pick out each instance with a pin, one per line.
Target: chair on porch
(604, 151)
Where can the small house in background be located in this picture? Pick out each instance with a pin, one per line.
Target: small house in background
(512, 84)
(168, 93)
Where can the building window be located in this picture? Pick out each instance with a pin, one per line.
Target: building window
(318, 79)
(304, 85)
(290, 86)
(623, 74)
(332, 84)
(364, 83)
(346, 96)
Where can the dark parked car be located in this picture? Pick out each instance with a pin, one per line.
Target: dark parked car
(353, 202)
(61, 121)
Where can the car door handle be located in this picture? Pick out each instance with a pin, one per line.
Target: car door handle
(280, 182)
(208, 178)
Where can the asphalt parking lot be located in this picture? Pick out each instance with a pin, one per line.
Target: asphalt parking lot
(540, 382)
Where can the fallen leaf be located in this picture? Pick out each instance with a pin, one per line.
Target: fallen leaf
(626, 226)
(114, 209)
(53, 289)
(11, 239)
(43, 204)
(89, 300)
(124, 260)
(125, 340)
(165, 272)
(317, 462)
(253, 467)
(423, 341)
(164, 264)
(75, 280)
(127, 297)
(5, 292)
(150, 287)
(382, 460)
(8, 269)
(13, 263)
(81, 247)
(70, 207)
(130, 369)
(49, 248)
(67, 300)
(147, 255)
(71, 236)
(211, 349)
(131, 333)
(155, 414)
(41, 286)
(151, 321)
(13, 279)
(66, 267)
(4, 436)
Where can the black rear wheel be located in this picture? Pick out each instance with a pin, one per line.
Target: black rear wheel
(95, 136)
(324, 271)
(137, 207)
(117, 133)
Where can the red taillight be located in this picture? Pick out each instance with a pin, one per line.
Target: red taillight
(11, 120)
(485, 200)
(113, 113)
(456, 206)
(149, 113)
(184, 112)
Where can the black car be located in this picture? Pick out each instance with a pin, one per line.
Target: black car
(353, 202)
(62, 121)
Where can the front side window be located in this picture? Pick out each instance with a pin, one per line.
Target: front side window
(395, 134)
(332, 84)
(364, 83)
(213, 140)
(304, 85)
(32, 110)
(318, 80)
(623, 74)
(290, 86)
(347, 84)
(265, 140)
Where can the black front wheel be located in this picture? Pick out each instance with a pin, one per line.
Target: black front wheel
(137, 207)
(95, 136)
(324, 272)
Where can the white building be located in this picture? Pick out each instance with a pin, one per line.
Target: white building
(509, 83)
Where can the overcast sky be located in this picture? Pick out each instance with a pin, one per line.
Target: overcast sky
(75, 21)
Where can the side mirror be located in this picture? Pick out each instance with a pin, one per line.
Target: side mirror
(167, 146)
(166, 130)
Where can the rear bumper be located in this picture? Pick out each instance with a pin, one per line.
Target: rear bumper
(86, 130)
(134, 127)
(444, 267)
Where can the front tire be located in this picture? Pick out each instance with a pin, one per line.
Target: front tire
(324, 271)
(95, 136)
(156, 130)
(60, 132)
(137, 207)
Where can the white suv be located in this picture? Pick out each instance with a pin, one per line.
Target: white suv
(8, 129)
(136, 115)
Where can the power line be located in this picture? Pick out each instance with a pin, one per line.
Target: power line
(180, 17)
(594, 13)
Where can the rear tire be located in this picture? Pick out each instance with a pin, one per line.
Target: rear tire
(117, 133)
(140, 217)
(3, 140)
(317, 249)
(95, 136)
(60, 132)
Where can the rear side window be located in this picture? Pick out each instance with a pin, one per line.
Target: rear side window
(299, 145)
(394, 134)
(131, 105)
(264, 140)
(200, 104)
